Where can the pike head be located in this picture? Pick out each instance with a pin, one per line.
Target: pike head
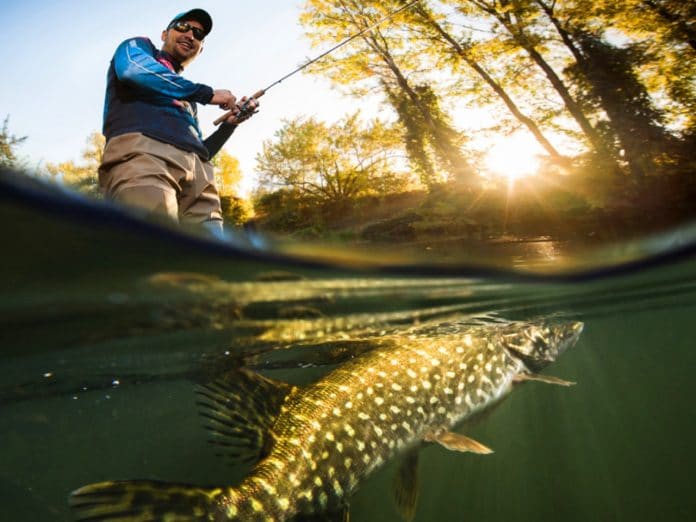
(539, 344)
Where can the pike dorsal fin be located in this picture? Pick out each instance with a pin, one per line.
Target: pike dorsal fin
(406, 486)
(239, 410)
(457, 442)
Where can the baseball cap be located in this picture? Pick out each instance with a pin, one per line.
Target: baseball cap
(199, 15)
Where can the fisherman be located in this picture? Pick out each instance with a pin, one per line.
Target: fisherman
(155, 157)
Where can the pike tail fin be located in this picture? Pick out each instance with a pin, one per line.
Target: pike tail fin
(150, 501)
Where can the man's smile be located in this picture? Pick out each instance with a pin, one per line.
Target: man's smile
(185, 44)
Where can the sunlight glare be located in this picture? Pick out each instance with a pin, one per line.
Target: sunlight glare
(513, 157)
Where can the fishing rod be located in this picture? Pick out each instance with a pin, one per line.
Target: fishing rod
(245, 110)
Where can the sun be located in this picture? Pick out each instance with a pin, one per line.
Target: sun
(513, 157)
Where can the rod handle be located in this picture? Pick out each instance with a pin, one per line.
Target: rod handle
(254, 96)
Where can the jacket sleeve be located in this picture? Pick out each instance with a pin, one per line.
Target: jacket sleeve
(217, 139)
(135, 63)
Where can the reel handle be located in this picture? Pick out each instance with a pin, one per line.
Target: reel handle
(243, 109)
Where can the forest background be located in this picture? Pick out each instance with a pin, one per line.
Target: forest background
(606, 89)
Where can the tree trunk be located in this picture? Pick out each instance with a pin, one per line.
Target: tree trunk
(457, 165)
(497, 88)
(571, 105)
(415, 139)
(565, 36)
(608, 73)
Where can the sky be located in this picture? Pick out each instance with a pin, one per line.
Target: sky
(55, 73)
(55, 69)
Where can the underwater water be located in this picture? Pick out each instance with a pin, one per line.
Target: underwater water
(108, 324)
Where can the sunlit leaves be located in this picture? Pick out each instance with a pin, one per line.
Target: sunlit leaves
(228, 175)
(332, 163)
(82, 176)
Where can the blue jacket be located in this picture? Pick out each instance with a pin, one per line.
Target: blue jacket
(145, 93)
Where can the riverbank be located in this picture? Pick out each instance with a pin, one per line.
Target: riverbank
(447, 216)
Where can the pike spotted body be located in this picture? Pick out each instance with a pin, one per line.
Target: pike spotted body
(315, 445)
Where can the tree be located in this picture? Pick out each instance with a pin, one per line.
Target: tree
(679, 16)
(8, 145)
(429, 143)
(607, 75)
(463, 50)
(396, 69)
(84, 176)
(660, 35)
(611, 81)
(517, 19)
(228, 175)
(332, 164)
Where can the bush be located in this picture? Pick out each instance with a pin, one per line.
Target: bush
(235, 211)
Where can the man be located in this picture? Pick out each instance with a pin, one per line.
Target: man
(155, 157)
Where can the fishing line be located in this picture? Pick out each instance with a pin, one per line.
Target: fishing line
(245, 110)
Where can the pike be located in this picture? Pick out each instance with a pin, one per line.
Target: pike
(244, 109)
(314, 445)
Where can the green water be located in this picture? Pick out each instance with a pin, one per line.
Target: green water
(102, 345)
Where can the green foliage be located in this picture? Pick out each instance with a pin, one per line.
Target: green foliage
(287, 211)
(541, 52)
(8, 145)
(432, 144)
(235, 211)
(617, 77)
(608, 74)
(665, 31)
(332, 165)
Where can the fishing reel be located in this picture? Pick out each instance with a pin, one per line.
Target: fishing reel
(246, 111)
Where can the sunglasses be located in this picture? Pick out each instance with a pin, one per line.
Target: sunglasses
(185, 27)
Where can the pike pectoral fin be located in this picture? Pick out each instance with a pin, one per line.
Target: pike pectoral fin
(457, 442)
(239, 409)
(548, 379)
(406, 486)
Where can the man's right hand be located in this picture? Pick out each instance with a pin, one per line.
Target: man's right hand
(238, 116)
(224, 99)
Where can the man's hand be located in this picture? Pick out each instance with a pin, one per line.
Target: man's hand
(224, 99)
(250, 107)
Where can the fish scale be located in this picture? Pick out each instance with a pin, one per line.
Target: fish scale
(328, 437)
